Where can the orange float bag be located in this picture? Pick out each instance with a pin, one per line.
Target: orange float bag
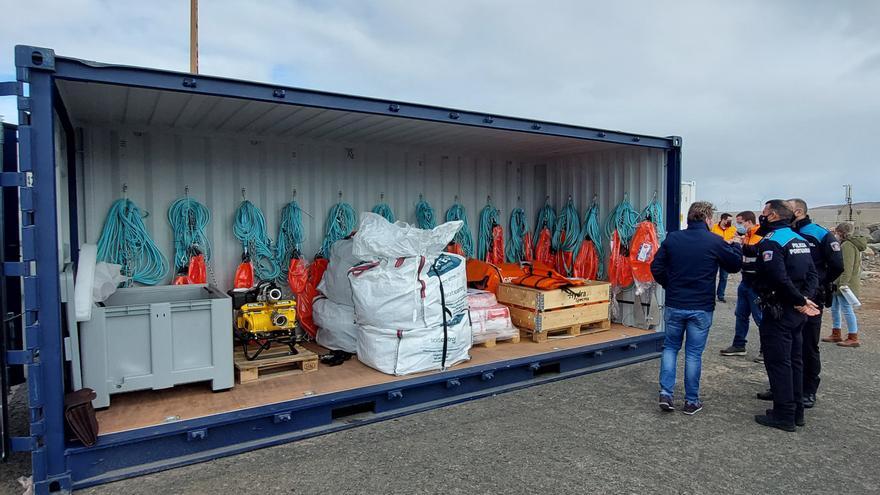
(543, 252)
(495, 255)
(198, 271)
(297, 275)
(619, 270)
(306, 297)
(545, 279)
(244, 275)
(528, 250)
(455, 248)
(642, 251)
(482, 275)
(586, 265)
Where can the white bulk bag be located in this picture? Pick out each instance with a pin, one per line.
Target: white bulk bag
(378, 238)
(334, 284)
(337, 330)
(404, 293)
(403, 352)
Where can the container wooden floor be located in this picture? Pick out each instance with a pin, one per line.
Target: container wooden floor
(152, 407)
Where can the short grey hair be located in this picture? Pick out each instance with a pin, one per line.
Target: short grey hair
(701, 211)
(798, 203)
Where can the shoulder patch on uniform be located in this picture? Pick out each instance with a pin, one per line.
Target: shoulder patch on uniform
(835, 246)
(769, 235)
(768, 255)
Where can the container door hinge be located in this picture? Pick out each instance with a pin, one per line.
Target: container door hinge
(10, 88)
(17, 269)
(194, 435)
(23, 444)
(20, 357)
(17, 179)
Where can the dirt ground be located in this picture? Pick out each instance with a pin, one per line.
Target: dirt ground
(600, 433)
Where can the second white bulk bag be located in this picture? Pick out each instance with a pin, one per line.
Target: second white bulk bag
(337, 330)
(334, 284)
(403, 352)
(378, 238)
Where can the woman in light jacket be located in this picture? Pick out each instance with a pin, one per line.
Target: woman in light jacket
(852, 246)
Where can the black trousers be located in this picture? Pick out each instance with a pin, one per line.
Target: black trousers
(812, 363)
(782, 345)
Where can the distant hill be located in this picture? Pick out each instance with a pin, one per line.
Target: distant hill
(868, 205)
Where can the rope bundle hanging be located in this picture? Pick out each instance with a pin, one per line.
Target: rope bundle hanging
(463, 242)
(291, 234)
(341, 222)
(425, 214)
(519, 245)
(620, 229)
(654, 214)
(125, 241)
(384, 209)
(250, 229)
(588, 263)
(622, 219)
(566, 238)
(546, 223)
(490, 243)
(192, 249)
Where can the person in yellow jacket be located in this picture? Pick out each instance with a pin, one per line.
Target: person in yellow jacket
(727, 231)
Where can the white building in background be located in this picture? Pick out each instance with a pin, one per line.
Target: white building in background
(688, 196)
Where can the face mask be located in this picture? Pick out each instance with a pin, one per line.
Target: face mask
(741, 229)
(763, 220)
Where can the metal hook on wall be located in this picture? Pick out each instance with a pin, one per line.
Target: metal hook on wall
(243, 194)
(124, 190)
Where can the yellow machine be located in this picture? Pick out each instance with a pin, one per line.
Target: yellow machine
(260, 317)
(263, 318)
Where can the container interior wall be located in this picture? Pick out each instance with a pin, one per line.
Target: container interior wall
(158, 165)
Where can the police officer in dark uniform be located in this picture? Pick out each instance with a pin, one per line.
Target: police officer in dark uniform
(785, 278)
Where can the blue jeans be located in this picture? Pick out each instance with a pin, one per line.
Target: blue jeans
(746, 305)
(692, 327)
(840, 305)
(722, 282)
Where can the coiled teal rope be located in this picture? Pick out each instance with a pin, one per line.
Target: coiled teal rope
(291, 234)
(341, 222)
(546, 218)
(125, 241)
(385, 210)
(188, 219)
(654, 214)
(425, 215)
(250, 229)
(519, 227)
(568, 221)
(592, 231)
(463, 237)
(623, 219)
(488, 219)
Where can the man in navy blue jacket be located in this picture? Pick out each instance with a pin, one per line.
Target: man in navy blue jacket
(685, 265)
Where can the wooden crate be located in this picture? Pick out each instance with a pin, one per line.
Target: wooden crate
(274, 362)
(539, 321)
(544, 300)
(493, 341)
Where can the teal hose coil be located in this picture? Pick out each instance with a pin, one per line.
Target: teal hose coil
(592, 231)
(569, 222)
(488, 219)
(291, 235)
(425, 215)
(189, 219)
(463, 237)
(250, 229)
(385, 210)
(623, 219)
(654, 214)
(519, 227)
(125, 241)
(341, 222)
(546, 218)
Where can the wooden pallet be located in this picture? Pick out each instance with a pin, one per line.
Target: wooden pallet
(566, 332)
(493, 341)
(274, 362)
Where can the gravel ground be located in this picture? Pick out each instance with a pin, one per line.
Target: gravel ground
(601, 433)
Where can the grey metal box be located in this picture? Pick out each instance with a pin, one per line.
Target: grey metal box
(157, 337)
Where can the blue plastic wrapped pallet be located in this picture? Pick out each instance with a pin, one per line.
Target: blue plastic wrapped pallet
(89, 131)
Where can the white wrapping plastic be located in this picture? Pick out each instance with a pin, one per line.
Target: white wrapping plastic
(85, 279)
(493, 321)
(108, 276)
(337, 331)
(404, 294)
(334, 284)
(481, 299)
(378, 238)
(412, 351)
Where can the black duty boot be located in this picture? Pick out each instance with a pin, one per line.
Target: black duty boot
(809, 400)
(765, 395)
(772, 422)
(798, 418)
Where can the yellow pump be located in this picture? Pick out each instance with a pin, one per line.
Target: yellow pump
(267, 316)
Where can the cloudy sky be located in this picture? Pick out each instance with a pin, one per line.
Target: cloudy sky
(772, 98)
